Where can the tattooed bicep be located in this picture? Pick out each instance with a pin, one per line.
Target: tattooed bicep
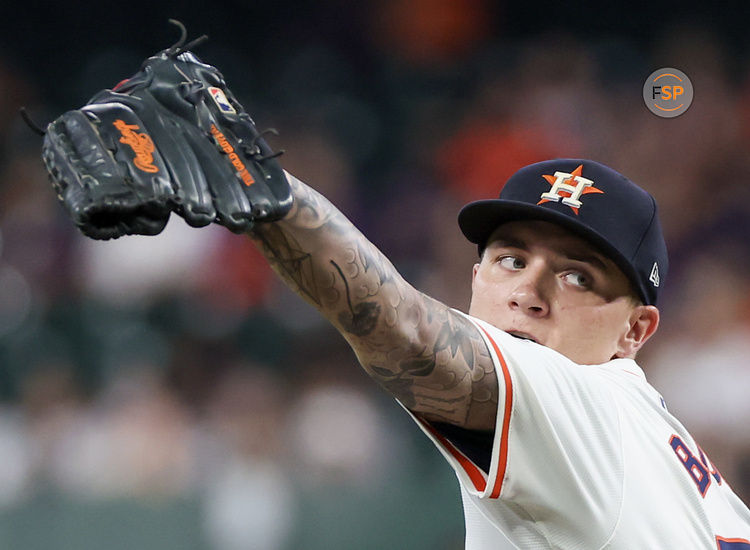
(446, 374)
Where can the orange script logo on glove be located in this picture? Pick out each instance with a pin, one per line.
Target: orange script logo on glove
(142, 145)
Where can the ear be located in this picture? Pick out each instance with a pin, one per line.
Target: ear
(642, 324)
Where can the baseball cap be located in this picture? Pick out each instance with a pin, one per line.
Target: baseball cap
(592, 201)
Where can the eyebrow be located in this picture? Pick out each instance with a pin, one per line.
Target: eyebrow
(585, 258)
(509, 242)
(574, 254)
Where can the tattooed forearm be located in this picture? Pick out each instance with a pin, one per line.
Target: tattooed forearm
(360, 319)
(430, 357)
(321, 255)
(293, 264)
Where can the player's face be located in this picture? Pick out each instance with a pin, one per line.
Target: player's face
(539, 281)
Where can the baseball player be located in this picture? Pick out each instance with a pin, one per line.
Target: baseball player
(534, 397)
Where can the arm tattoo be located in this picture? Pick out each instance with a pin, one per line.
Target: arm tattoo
(430, 357)
(451, 378)
(290, 261)
(361, 319)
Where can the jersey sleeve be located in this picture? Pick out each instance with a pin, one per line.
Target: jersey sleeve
(556, 442)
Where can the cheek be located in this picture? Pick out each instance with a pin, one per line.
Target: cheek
(478, 298)
(485, 295)
(593, 332)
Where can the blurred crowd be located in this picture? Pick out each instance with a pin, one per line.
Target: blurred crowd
(168, 392)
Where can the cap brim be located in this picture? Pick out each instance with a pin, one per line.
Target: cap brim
(479, 219)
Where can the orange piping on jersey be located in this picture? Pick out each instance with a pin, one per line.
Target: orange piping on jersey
(631, 373)
(471, 469)
(503, 459)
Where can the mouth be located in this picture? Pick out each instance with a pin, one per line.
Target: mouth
(522, 336)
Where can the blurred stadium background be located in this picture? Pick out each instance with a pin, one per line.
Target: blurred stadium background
(165, 393)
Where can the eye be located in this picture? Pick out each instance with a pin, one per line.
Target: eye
(577, 278)
(513, 263)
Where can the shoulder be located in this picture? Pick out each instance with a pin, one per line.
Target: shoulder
(538, 376)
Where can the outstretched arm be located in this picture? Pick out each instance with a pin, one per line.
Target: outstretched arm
(426, 355)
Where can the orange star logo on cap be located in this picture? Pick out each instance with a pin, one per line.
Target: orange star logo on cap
(568, 188)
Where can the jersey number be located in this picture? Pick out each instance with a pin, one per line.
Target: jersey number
(700, 471)
(732, 544)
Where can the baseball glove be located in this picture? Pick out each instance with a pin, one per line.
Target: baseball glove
(170, 138)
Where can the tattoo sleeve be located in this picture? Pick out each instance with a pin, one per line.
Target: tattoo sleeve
(425, 354)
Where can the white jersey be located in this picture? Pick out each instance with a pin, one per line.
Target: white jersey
(587, 457)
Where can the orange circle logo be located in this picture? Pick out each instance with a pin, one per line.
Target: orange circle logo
(668, 92)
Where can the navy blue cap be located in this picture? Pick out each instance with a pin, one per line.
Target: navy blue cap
(592, 201)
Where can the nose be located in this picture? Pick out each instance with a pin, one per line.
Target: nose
(530, 295)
